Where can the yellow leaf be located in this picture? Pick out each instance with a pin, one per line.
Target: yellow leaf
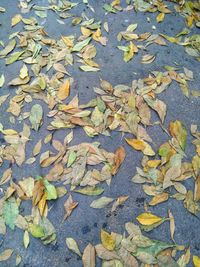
(68, 41)
(153, 163)
(136, 144)
(107, 240)
(85, 31)
(16, 19)
(159, 199)
(9, 132)
(189, 21)
(141, 146)
(160, 17)
(64, 90)
(196, 261)
(148, 218)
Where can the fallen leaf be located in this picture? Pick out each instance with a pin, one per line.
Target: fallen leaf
(6, 254)
(148, 219)
(101, 202)
(64, 90)
(89, 256)
(72, 245)
(107, 240)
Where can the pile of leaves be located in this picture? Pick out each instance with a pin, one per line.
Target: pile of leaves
(128, 250)
(170, 170)
(44, 80)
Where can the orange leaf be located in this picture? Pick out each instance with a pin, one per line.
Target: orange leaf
(64, 90)
(136, 144)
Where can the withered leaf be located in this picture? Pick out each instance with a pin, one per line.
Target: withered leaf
(69, 206)
(64, 90)
(6, 254)
(36, 116)
(119, 158)
(89, 256)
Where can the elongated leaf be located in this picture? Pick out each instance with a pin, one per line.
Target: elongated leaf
(72, 245)
(90, 191)
(101, 202)
(8, 48)
(148, 218)
(79, 46)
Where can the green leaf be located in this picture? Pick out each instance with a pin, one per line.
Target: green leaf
(101, 202)
(36, 116)
(10, 212)
(72, 245)
(90, 191)
(71, 158)
(80, 45)
(36, 230)
(14, 57)
(8, 48)
(109, 8)
(51, 190)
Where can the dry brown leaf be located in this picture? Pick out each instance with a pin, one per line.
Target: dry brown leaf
(89, 256)
(120, 154)
(69, 206)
